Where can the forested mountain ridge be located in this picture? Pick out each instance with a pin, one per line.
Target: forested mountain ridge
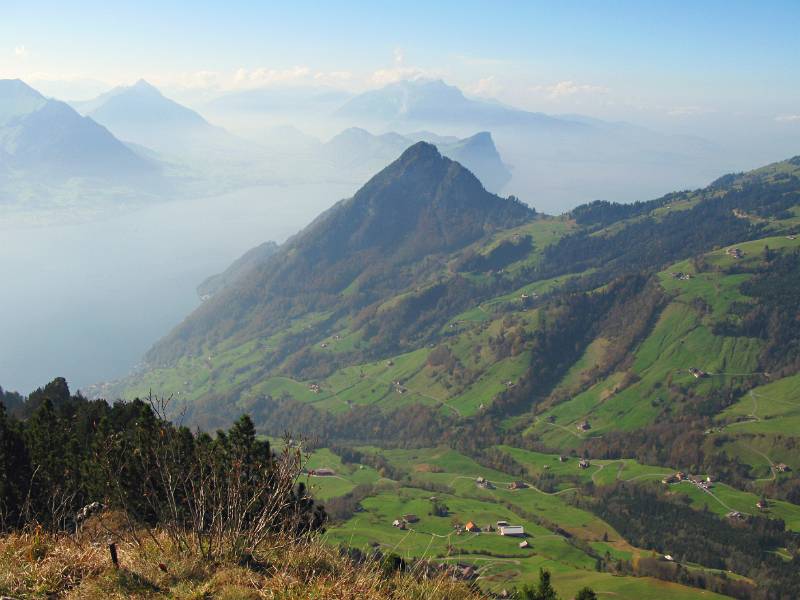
(390, 234)
(594, 377)
(391, 269)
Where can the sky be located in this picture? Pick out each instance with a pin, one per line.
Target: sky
(675, 64)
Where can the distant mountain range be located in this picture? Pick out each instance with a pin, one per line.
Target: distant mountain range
(357, 150)
(49, 141)
(433, 101)
(140, 113)
(557, 161)
(280, 99)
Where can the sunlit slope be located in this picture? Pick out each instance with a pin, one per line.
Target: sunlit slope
(459, 320)
(685, 336)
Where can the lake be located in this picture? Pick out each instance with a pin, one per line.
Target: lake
(86, 300)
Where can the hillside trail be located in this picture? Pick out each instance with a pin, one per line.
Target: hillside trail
(772, 468)
(415, 391)
(597, 472)
(718, 499)
(565, 428)
(753, 417)
(527, 483)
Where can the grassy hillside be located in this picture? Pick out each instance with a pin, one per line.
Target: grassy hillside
(648, 338)
(562, 538)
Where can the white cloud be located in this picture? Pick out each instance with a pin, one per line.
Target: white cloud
(567, 88)
(400, 71)
(487, 86)
(386, 76)
(788, 118)
(20, 52)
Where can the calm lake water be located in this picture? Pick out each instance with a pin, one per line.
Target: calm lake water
(85, 301)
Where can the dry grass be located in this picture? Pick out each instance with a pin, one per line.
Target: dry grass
(40, 565)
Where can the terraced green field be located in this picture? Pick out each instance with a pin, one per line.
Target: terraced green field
(551, 523)
(681, 339)
(345, 479)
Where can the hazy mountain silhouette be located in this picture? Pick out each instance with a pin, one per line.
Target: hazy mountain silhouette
(359, 150)
(142, 114)
(47, 140)
(421, 205)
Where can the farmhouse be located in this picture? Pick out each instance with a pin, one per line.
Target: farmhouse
(762, 504)
(517, 485)
(584, 426)
(512, 531)
(783, 468)
(734, 252)
(680, 275)
(481, 482)
(322, 472)
(471, 527)
(524, 544)
(697, 373)
(584, 463)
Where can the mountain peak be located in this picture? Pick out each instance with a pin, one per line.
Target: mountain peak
(17, 98)
(144, 86)
(17, 87)
(421, 151)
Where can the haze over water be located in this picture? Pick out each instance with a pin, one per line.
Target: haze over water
(85, 301)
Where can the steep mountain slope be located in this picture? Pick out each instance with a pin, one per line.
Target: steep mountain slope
(359, 151)
(366, 248)
(46, 140)
(142, 114)
(543, 318)
(238, 268)
(479, 154)
(621, 381)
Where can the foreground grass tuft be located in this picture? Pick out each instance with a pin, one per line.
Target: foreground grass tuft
(40, 565)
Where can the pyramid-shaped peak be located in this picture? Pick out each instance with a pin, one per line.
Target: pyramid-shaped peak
(17, 87)
(421, 151)
(145, 86)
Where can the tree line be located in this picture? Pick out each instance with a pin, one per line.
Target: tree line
(61, 452)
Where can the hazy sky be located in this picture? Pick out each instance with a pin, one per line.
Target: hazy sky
(668, 62)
